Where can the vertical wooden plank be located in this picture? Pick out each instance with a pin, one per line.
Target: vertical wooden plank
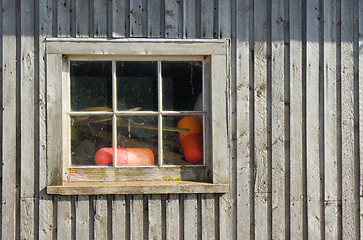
(155, 217)
(27, 218)
(136, 217)
(138, 19)
(172, 217)
(118, 18)
(330, 122)
(296, 120)
(220, 93)
(119, 217)
(360, 60)
(243, 78)
(260, 105)
(312, 119)
(208, 217)
(172, 18)
(82, 19)
(45, 202)
(154, 16)
(9, 188)
(100, 18)
(225, 10)
(207, 13)
(27, 107)
(64, 18)
(221, 164)
(278, 124)
(100, 217)
(190, 216)
(54, 110)
(64, 218)
(82, 217)
(218, 117)
(190, 19)
(347, 107)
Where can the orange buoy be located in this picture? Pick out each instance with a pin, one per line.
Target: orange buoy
(193, 123)
(192, 141)
(125, 156)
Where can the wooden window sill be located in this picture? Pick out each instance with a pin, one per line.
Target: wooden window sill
(136, 187)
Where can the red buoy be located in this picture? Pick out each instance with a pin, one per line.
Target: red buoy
(125, 156)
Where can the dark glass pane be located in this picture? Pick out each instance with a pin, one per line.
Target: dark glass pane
(89, 134)
(137, 87)
(182, 86)
(91, 86)
(182, 140)
(137, 140)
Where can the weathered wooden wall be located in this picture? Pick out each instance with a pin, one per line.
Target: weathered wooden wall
(295, 114)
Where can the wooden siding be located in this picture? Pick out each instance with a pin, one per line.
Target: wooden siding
(295, 120)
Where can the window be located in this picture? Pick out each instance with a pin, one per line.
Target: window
(136, 113)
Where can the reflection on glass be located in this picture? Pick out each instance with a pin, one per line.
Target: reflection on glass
(91, 86)
(185, 145)
(88, 135)
(137, 86)
(182, 85)
(137, 140)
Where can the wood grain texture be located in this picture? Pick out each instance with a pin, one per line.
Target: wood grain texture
(154, 18)
(119, 217)
(172, 217)
(136, 217)
(330, 122)
(191, 221)
(100, 217)
(138, 18)
(155, 217)
(219, 118)
(296, 120)
(136, 187)
(172, 18)
(207, 17)
(64, 18)
(8, 134)
(312, 119)
(136, 47)
(347, 115)
(100, 18)
(247, 23)
(64, 218)
(54, 110)
(45, 201)
(278, 120)
(27, 118)
(260, 119)
(208, 217)
(118, 18)
(360, 60)
(82, 217)
(83, 20)
(190, 19)
(243, 122)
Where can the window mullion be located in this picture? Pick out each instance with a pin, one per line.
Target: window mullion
(114, 118)
(160, 119)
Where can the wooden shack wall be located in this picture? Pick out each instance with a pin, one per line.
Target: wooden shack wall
(295, 121)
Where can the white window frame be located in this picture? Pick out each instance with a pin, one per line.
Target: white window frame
(210, 178)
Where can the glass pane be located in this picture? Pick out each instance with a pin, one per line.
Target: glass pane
(182, 86)
(182, 140)
(89, 134)
(137, 140)
(137, 86)
(91, 86)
